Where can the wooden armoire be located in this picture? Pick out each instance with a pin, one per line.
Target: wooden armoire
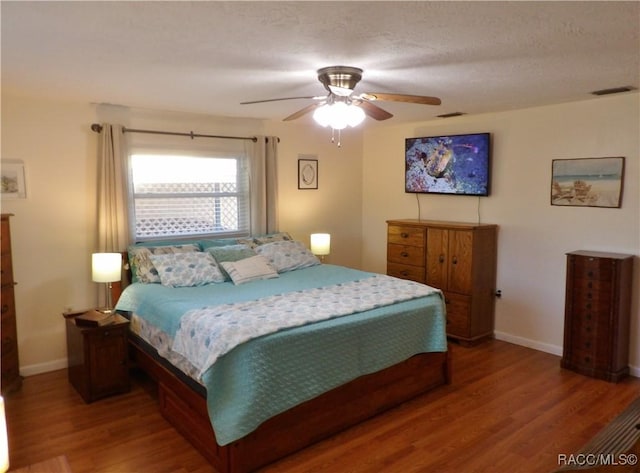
(458, 258)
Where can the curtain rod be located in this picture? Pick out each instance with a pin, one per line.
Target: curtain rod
(98, 129)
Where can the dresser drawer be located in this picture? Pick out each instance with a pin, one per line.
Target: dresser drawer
(6, 271)
(405, 254)
(5, 241)
(405, 235)
(596, 269)
(406, 271)
(7, 304)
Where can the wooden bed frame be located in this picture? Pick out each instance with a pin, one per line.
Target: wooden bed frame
(347, 405)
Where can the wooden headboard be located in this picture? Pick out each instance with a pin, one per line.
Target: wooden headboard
(118, 286)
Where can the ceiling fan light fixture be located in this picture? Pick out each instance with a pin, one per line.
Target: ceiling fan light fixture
(338, 115)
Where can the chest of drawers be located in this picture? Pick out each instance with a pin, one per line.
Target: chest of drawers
(458, 258)
(597, 313)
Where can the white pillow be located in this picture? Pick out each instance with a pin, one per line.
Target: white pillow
(187, 269)
(287, 255)
(249, 269)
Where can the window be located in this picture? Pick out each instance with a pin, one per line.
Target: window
(177, 196)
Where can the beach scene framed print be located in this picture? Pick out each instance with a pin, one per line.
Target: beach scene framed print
(587, 182)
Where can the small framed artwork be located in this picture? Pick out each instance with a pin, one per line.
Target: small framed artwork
(307, 173)
(587, 182)
(12, 182)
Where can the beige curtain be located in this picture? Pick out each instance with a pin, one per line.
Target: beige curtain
(263, 157)
(113, 178)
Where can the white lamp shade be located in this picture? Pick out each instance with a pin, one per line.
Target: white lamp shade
(338, 115)
(320, 244)
(4, 441)
(106, 267)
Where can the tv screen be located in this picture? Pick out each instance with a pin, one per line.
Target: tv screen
(452, 164)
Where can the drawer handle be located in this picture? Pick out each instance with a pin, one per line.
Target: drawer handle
(404, 254)
(587, 344)
(441, 259)
(455, 260)
(587, 359)
(404, 235)
(588, 305)
(404, 273)
(590, 274)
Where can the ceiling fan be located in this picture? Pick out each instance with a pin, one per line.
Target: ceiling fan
(340, 82)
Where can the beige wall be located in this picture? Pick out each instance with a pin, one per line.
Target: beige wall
(335, 207)
(360, 186)
(533, 236)
(53, 231)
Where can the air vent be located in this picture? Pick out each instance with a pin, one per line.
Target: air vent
(452, 114)
(615, 90)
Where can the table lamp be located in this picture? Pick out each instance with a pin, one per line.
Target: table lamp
(4, 441)
(106, 268)
(320, 244)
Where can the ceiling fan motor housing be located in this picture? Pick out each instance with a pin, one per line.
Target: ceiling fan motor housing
(339, 76)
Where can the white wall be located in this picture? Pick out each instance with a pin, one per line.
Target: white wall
(533, 235)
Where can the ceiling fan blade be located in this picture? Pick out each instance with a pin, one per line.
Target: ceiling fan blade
(314, 97)
(420, 99)
(301, 112)
(374, 111)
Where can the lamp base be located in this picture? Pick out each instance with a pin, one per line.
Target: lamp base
(106, 311)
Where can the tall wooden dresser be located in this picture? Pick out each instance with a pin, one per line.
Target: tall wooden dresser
(11, 379)
(597, 313)
(458, 258)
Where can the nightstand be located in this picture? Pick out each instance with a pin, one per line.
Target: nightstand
(98, 358)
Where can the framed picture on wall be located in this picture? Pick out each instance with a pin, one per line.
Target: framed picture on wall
(307, 173)
(12, 181)
(587, 182)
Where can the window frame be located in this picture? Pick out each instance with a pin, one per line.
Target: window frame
(243, 194)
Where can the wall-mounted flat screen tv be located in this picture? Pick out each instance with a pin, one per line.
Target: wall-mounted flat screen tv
(451, 164)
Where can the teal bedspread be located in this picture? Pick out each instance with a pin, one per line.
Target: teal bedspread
(270, 374)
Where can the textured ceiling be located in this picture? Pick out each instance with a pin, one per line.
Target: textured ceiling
(207, 57)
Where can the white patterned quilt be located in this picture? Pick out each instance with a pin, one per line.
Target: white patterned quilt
(208, 333)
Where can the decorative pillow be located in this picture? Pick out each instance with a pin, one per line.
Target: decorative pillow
(230, 253)
(287, 255)
(205, 244)
(249, 269)
(187, 269)
(142, 268)
(252, 242)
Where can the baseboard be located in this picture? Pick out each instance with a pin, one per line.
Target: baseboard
(527, 342)
(546, 347)
(39, 368)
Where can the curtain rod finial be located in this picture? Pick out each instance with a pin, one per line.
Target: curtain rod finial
(96, 127)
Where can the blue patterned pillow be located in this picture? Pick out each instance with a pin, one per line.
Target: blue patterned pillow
(253, 242)
(187, 269)
(142, 268)
(287, 255)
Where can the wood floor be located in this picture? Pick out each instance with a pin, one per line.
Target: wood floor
(509, 409)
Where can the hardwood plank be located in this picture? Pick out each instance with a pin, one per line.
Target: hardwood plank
(509, 408)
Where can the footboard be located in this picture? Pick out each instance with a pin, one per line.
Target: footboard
(323, 416)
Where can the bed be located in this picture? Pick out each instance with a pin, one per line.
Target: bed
(260, 350)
